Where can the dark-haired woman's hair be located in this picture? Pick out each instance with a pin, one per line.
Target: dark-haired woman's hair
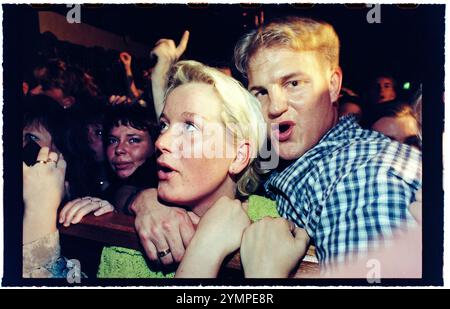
(133, 115)
(68, 135)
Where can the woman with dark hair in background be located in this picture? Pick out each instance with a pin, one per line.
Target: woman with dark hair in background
(128, 139)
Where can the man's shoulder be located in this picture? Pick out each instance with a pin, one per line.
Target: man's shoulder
(378, 157)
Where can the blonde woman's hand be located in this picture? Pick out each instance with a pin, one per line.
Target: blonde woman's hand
(222, 226)
(218, 234)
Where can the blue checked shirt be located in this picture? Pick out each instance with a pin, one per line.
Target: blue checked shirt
(352, 187)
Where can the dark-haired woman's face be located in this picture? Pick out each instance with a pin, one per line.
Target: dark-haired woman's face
(40, 135)
(127, 149)
(95, 140)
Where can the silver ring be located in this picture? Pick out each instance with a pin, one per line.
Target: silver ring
(163, 253)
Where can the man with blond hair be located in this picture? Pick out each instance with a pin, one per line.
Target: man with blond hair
(346, 186)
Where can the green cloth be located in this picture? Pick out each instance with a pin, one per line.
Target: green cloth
(118, 262)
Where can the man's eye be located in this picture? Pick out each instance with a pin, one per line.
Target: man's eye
(99, 132)
(260, 93)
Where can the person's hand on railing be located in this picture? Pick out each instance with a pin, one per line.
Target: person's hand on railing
(272, 247)
(162, 228)
(75, 210)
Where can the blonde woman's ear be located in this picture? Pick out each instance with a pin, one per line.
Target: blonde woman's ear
(242, 158)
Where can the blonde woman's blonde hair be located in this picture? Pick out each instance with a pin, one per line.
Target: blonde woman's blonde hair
(300, 34)
(241, 113)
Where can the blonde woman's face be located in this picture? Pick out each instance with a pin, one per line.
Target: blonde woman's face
(193, 162)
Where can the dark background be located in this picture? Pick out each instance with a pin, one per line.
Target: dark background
(397, 45)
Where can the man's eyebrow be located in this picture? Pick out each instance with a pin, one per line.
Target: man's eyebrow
(256, 88)
(287, 77)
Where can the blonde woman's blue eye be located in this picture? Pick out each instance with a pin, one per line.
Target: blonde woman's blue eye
(163, 126)
(190, 127)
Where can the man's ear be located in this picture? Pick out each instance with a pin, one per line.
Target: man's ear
(242, 158)
(68, 101)
(335, 84)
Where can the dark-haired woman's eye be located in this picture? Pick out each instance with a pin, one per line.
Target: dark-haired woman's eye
(134, 140)
(31, 137)
(99, 133)
(111, 140)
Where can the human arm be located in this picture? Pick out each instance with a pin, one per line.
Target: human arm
(133, 91)
(160, 226)
(272, 247)
(43, 189)
(218, 234)
(167, 54)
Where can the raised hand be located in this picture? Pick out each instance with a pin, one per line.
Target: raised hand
(125, 58)
(43, 190)
(168, 53)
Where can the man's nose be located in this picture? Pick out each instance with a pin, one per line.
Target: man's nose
(278, 103)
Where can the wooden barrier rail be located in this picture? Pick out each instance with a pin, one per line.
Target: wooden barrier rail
(118, 230)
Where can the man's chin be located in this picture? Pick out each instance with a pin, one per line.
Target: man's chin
(290, 153)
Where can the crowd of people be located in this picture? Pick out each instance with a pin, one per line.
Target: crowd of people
(179, 148)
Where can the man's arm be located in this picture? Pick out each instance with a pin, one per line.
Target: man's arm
(358, 213)
(162, 227)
